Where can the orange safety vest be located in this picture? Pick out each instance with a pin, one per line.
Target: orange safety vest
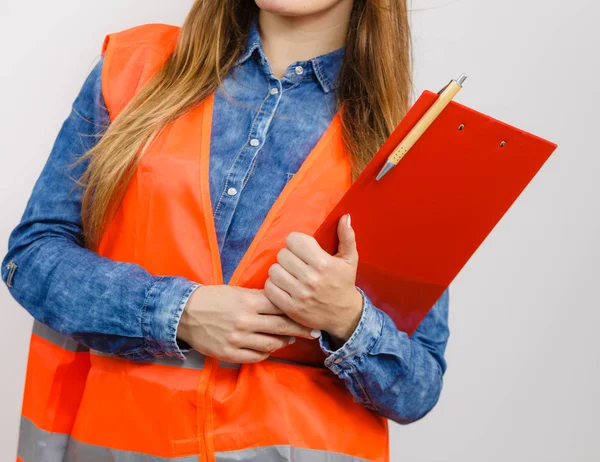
(81, 405)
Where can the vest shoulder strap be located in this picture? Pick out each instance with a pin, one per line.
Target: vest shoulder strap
(131, 58)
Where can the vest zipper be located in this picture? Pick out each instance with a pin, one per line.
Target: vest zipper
(11, 267)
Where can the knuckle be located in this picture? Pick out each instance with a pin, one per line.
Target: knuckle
(270, 289)
(310, 240)
(275, 269)
(235, 339)
(281, 327)
(321, 266)
(228, 354)
(282, 254)
(304, 295)
(242, 322)
(300, 297)
(313, 281)
(238, 323)
(268, 286)
(292, 237)
(252, 304)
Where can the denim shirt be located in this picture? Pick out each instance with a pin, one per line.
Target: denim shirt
(256, 147)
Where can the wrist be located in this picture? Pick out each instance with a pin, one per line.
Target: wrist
(348, 323)
(186, 321)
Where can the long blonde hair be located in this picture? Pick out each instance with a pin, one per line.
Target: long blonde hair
(374, 85)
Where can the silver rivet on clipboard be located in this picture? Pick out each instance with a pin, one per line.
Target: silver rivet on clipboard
(461, 126)
(502, 144)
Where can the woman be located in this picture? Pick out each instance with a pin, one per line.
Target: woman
(183, 312)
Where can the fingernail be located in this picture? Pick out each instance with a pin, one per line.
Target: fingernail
(292, 340)
(348, 220)
(315, 333)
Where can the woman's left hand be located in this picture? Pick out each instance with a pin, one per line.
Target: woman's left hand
(316, 289)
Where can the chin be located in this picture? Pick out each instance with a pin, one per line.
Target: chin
(295, 7)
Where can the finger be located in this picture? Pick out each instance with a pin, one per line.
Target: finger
(307, 249)
(266, 343)
(347, 237)
(291, 263)
(284, 280)
(282, 325)
(277, 296)
(262, 304)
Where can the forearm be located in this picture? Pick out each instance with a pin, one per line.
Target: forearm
(387, 371)
(117, 308)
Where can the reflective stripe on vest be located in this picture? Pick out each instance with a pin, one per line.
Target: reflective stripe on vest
(57, 338)
(195, 360)
(36, 445)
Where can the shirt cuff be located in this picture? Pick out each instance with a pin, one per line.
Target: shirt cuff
(360, 342)
(165, 301)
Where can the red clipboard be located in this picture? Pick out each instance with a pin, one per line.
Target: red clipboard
(418, 226)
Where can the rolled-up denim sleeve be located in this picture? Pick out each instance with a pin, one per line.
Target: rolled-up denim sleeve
(385, 370)
(114, 307)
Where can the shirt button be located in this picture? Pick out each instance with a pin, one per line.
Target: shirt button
(254, 142)
(299, 70)
(337, 361)
(274, 91)
(232, 191)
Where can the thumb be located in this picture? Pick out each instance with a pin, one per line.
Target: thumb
(347, 247)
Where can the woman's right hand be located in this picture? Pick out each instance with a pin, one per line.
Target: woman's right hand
(237, 325)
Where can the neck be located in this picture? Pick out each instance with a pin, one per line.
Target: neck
(287, 39)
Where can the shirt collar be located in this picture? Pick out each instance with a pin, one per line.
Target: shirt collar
(253, 42)
(325, 67)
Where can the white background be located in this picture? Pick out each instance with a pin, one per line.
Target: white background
(524, 369)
